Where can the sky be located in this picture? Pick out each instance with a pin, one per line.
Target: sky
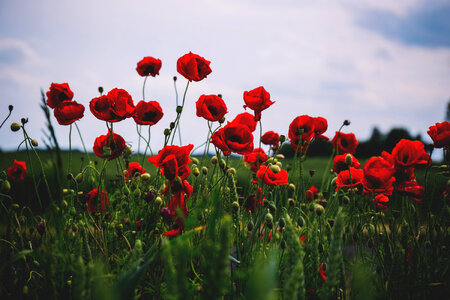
(375, 63)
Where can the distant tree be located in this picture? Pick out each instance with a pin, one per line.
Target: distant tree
(447, 117)
(394, 136)
(371, 147)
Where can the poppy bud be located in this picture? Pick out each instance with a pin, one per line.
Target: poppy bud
(195, 160)
(319, 210)
(172, 125)
(41, 227)
(24, 121)
(272, 208)
(79, 178)
(221, 121)
(205, 170)
(250, 226)
(167, 131)
(279, 164)
(333, 181)
(279, 156)
(138, 224)
(65, 192)
(196, 172)
(219, 95)
(222, 164)
(331, 222)
(291, 187)
(145, 176)
(158, 201)
(231, 171)
(311, 172)
(10, 107)
(275, 168)
(149, 196)
(174, 78)
(291, 202)
(15, 126)
(282, 138)
(345, 200)
(179, 109)
(269, 218)
(300, 221)
(15, 206)
(127, 151)
(235, 206)
(346, 122)
(214, 160)
(348, 159)
(137, 193)
(6, 186)
(34, 143)
(126, 220)
(100, 90)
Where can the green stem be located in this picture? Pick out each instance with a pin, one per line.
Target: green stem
(70, 148)
(7, 117)
(82, 141)
(177, 120)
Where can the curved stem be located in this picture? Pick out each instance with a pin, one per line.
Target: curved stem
(70, 148)
(148, 146)
(82, 141)
(177, 120)
(7, 117)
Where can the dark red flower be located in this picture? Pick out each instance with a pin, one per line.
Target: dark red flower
(211, 107)
(352, 178)
(378, 176)
(58, 93)
(347, 142)
(117, 105)
(234, 137)
(18, 170)
(149, 66)
(109, 146)
(148, 113)
(301, 130)
(134, 168)
(312, 193)
(255, 159)
(178, 202)
(412, 189)
(409, 154)
(258, 100)
(94, 204)
(320, 126)
(173, 161)
(271, 178)
(271, 138)
(193, 67)
(440, 134)
(380, 201)
(68, 112)
(322, 272)
(339, 163)
(245, 119)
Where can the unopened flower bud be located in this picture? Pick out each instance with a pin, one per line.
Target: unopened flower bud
(10, 107)
(137, 193)
(279, 164)
(279, 156)
(333, 181)
(312, 172)
(174, 78)
(100, 90)
(41, 227)
(269, 218)
(275, 168)
(222, 164)
(319, 210)
(145, 176)
(158, 201)
(172, 125)
(167, 131)
(15, 126)
(6, 186)
(291, 202)
(346, 122)
(179, 109)
(24, 121)
(331, 222)
(348, 159)
(65, 192)
(79, 178)
(214, 160)
(127, 151)
(300, 221)
(345, 200)
(235, 206)
(282, 138)
(34, 143)
(232, 171)
(205, 170)
(195, 160)
(291, 187)
(221, 121)
(196, 172)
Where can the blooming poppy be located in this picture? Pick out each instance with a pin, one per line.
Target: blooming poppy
(345, 142)
(211, 107)
(378, 176)
(409, 153)
(320, 126)
(440, 134)
(234, 137)
(68, 112)
(193, 67)
(412, 189)
(301, 129)
(173, 161)
(271, 138)
(18, 170)
(58, 93)
(245, 119)
(255, 158)
(271, 178)
(350, 178)
(322, 272)
(312, 193)
(93, 201)
(109, 146)
(380, 201)
(148, 66)
(339, 163)
(148, 113)
(258, 100)
(117, 105)
(134, 168)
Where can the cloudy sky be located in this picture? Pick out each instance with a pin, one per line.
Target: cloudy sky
(376, 63)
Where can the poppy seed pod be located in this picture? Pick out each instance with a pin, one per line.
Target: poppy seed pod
(167, 131)
(100, 89)
(319, 210)
(179, 109)
(15, 126)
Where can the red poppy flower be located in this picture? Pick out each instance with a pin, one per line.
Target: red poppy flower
(320, 126)
(304, 124)
(245, 119)
(193, 67)
(211, 107)
(339, 163)
(409, 153)
(271, 138)
(255, 159)
(133, 169)
(234, 137)
(322, 272)
(68, 112)
(412, 189)
(117, 105)
(440, 134)
(271, 178)
(58, 93)
(258, 100)
(378, 176)
(149, 66)
(148, 113)
(347, 142)
(93, 201)
(18, 170)
(380, 201)
(173, 161)
(352, 178)
(109, 146)
(312, 193)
